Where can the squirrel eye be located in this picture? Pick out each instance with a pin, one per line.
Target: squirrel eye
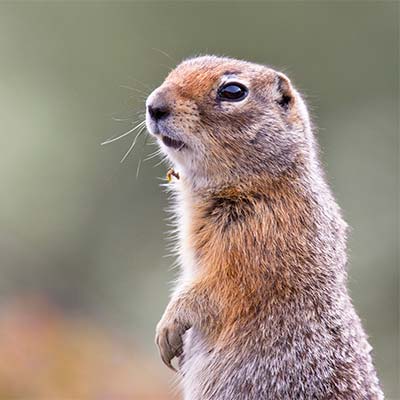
(232, 92)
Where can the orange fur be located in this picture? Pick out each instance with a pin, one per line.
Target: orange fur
(262, 310)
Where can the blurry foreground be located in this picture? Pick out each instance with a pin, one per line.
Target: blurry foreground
(45, 354)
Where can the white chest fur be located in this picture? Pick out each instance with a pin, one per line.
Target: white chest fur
(183, 210)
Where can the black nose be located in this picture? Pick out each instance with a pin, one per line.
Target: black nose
(158, 112)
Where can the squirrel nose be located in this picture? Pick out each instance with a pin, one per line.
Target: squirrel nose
(158, 111)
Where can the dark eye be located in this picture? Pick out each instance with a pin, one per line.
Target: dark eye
(232, 92)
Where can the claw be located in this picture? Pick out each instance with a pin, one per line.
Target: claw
(170, 343)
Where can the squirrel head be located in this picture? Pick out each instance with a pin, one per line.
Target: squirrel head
(221, 120)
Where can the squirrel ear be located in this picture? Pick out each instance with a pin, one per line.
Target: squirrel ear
(285, 91)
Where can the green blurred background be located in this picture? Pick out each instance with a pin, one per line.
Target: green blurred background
(81, 237)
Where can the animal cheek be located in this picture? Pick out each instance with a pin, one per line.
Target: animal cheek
(186, 111)
(186, 107)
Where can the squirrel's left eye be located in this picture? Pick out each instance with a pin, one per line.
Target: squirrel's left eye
(232, 92)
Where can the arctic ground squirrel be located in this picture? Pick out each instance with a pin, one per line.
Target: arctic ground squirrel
(261, 310)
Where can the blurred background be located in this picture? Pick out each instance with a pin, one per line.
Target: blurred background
(83, 277)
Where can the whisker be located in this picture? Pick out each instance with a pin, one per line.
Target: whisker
(153, 155)
(141, 156)
(133, 144)
(165, 54)
(163, 159)
(134, 89)
(116, 119)
(153, 142)
(138, 98)
(141, 112)
(138, 167)
(141, 83)
(140, 125)
(129, 113)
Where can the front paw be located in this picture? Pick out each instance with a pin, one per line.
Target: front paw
(169, 335)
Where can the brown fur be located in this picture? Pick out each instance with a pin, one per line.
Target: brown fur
(263, 312)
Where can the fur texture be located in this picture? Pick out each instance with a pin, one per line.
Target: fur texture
(261, 310)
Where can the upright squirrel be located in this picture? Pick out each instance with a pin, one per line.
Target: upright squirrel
(261, 310)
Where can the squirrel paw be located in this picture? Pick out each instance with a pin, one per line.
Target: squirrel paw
(169, 340)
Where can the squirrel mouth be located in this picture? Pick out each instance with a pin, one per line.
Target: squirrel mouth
(174, 143)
